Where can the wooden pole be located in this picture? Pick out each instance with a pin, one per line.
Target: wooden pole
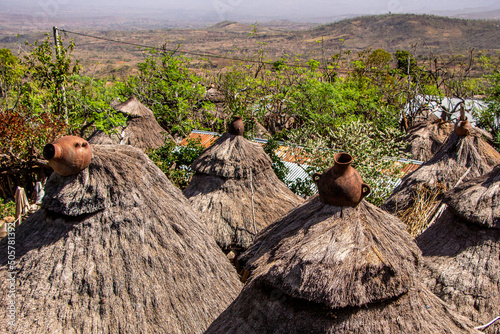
(57, 47)
(56, 40)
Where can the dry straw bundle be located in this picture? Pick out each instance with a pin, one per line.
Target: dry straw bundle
(425, 203)
(116, 248)
(462, 250)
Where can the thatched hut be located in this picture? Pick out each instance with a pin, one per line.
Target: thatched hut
(462, 250)
(336, 269)
(461, 158)
(115, 248)
(236, 190)
(141, 131)
(424, 139)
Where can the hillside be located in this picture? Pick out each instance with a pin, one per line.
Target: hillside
(421, 34)
(392, 32)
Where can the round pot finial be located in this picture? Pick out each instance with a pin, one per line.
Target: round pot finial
(236, 127)
(463, 127)
(68, 155)
(341, 184)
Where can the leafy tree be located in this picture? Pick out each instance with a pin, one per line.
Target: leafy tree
(406, 62)
(278, 166)
(379, 59)
(489, 119)
(10, 72)
(175, 160)
(170, 89)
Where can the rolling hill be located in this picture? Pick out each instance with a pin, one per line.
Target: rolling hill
(420, 34)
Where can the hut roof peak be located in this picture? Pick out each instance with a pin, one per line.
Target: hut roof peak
(338, 256)
(88, 191)
(232, 156)
(134, 108)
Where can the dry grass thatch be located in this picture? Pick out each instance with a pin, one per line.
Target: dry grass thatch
(142, 129)
(425, 205)
(462, 250)
(460, 158)
(329, 269)
(234, 157)
(478, 200)
(237, 192)
(426, 138)
(116, 249)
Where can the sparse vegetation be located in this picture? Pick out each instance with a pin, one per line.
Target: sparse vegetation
(341, 100)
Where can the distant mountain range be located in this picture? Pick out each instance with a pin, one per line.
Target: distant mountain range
(31, 15)
(421, 34)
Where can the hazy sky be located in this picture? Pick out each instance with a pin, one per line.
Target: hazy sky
(251, 9)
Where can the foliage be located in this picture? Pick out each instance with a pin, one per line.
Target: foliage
(170, 89)
(23, 135)
(373, 150)
(406, 63)
(93, 100)
(489, 119)
(278, 166)
(175, 160)
(10, 71)
(7, 208)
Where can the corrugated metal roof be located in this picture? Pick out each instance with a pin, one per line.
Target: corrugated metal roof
(296, 172)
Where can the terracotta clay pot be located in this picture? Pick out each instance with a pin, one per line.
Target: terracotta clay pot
(341, 184)
(68, 155)
(236, 127)
(463, 127)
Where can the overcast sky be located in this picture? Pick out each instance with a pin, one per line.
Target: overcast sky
(251, 9)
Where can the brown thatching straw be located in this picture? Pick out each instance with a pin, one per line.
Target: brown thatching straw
(142, 129)
(329, 269)
(237, 192)
(426, 138)
(462, 250)
(425, 203)
(115, 249)
(445, 168)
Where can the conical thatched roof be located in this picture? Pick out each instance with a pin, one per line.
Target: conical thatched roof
(116, 249)
(460, 158)
(426, 138)
(142, 129)
(236, 191)
(330, 269)
(462, 250)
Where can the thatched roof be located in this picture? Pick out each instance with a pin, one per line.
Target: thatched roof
(232, 156)
(478, 201)
(426, 138)
(236, 191)
(116, 249)
(462, 250)
(460, 157)
(329, 269)
(142, 129)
